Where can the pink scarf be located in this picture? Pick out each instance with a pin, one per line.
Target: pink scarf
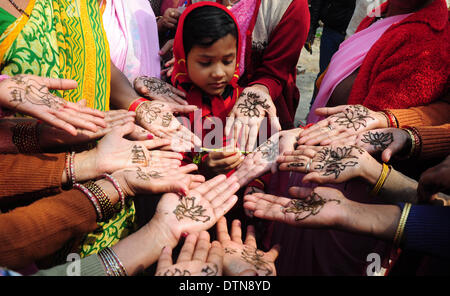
(348, 58)
(243, 11)
(133, 37)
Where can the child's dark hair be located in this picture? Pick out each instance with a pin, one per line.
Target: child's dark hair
(205, 25)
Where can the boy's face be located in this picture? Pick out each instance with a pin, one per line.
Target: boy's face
(212, 68)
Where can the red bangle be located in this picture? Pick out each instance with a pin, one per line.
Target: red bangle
(392, 119)
(135, 104)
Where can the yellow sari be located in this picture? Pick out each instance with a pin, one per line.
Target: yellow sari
(66, 39)
(61, 39)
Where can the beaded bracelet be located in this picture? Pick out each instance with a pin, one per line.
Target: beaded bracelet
(119, 190)
(70, 168)
(111, 262)
(92, 198)
(401, 225)
(103, 199)
(383, 176)
(26, 137)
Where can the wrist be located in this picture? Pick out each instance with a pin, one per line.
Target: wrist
(165, 236)
(109, 189)
(261, 87)
(382, 120)
(371, 172)
(85, 166)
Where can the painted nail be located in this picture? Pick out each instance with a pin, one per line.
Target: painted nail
(150, 137)
(184, 234)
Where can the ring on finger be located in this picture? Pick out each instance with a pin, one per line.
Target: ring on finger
(308, 165)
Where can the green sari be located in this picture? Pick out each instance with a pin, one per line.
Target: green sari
(66, 39)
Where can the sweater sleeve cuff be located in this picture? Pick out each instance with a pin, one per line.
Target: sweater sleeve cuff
(407, 117)
(435, 142)
(272, 85)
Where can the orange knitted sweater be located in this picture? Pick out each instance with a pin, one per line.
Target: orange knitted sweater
(32, 232)
(433, 124)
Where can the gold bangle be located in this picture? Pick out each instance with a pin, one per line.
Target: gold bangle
(413, 143)
(401, 225)
(384, 173)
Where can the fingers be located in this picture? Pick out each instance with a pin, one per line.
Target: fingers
(206, 187)
(81, 107)
(188, 248)
(215, 255)
(236, 232)
(166, 48)
(222, 230)
(188, 169)
(60, 84)
(274, 252)
(202, 247)
(183, 108)
(250, 239)
(165, 154)
(155, 143)
(165, 259)
(225, 206)
(327, 111)
(222, 191)
(300, 192)
(252, 138)
(229, 124)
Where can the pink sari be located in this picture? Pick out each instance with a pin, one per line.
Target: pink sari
(133, 37)
(348, 58)
(324, 251)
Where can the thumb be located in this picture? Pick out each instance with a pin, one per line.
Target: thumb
(275, 123)
(125, 129)
(184, 108)
(391, 150)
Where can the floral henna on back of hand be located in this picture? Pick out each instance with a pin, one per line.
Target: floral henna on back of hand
(303, 208)
(149, 112)
(380, 141)
(353, 117)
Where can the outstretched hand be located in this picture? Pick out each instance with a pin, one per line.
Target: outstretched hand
(247, 115)
(159, 90)
(30, 95)
(242, 257)
(199, 209)
(157, 117)
(318, 207)
(341, 122)
(198, 257)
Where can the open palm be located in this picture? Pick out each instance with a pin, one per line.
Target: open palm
(200, 209)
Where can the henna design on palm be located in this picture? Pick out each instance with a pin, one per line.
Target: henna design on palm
(303, 208)
(188, 209)
(254, 257)
(250, 106)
